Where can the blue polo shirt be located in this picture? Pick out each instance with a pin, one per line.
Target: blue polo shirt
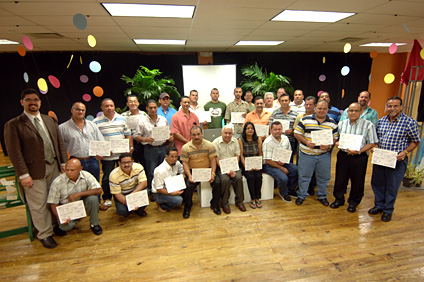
(168, 114)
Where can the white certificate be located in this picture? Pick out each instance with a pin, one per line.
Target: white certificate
(201, 174)
(120, 145)
(350, 141)
(137, 199)
(384, 158)
(281, 155)
(236, 117)
(421, 166)
(262, 130)
(230, 164)
(322, 137)
(203, 116)
(132, 121)
(72, 210)
(284, 123)
(175, 183)
(100, 148)
(160, 133)
(253, 163)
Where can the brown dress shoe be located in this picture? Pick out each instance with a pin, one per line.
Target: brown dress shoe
(241, 207)
(227, 210)
(48, 242)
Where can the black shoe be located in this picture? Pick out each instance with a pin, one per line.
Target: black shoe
(48, 242)
(299, 201)
(186, 213)
(141, 213)
(336, 204)
(293, 195)
(311, 192)
(58, 232)
(386, 217)
(351, 208)
(96, 229)
(216, 210)
(375, 210)
(324, 202)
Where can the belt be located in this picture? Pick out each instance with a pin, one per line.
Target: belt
(148, 145)
(81, 158)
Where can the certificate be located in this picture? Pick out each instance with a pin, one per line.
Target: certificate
(262, 130)
(421, 166)
(236, 117)
(203, 116)
(137, 199)
(132, 121)
(350, 141)
(72, 210)
(281, 155)
(120, 145)
(160, 133)
(100, 148)
(322, 137)
(175, 183)
(201, 174)
(284, 123)
(230, 164)
(253, 163)
(385, 158)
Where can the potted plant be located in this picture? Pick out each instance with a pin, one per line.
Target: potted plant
(413, 176)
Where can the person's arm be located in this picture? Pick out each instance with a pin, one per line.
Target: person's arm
(181, 138)
(213, 168)
(165, 192)
(363, 149)
(402, 155)
(131, 143)
(89, 192)
(303, 140)
(260, 147)
(187, 171)
(278, 165)
(241, 153)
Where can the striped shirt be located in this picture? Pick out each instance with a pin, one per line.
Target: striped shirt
(299, 109)
(62, 187)
(112, 129)
(361, 127)
(290, 116)
(334, 113)
(368, 114)
(120, 182)
(271, 143)
(397, 135)
(309, 124)
(198, 158)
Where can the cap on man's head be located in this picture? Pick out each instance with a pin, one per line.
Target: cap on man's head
(163, 95)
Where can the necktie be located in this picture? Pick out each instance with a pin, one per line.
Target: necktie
(48, 149)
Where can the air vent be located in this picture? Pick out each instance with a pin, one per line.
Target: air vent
(45, 35)
(351, 39)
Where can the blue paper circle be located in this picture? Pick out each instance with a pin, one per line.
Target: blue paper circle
(26, 77)
(345, 70)
(89, 117)
(80, 21)
(95, 66)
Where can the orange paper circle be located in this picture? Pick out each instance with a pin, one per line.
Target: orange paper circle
(21, 51)
(98, 91)
(53, 115)
(373, 54)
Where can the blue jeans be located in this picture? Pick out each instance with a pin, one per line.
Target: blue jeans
(122, 209)
(107, 167)
(286, 183)
(385, 184)
(167, 201)
(92, 166)
(154, 156)
(321, 164)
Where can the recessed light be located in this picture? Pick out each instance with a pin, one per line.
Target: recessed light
(5, 41)
(311, 16)
(160, 41)
(259, 43)
(147, 10)
(380, 44)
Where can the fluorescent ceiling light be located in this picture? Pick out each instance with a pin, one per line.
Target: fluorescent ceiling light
(259, 43)
(380, 44)
(160, 41)
(146, 10)
(5, 41)
(311, 16)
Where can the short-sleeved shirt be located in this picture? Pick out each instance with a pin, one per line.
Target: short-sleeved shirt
(368, 114)
(129, 114)
(182, 124)
(120, 182)
(310, 123)
(168, 115)
(226, 150)
(334, 113)
(299, 109)
(254, 118)
(271, 143)
(198, 158)
(250, 148)
(217, 111)
(398, 134)
(235, 107)
(362, 127)
(145, 126)
(290, 116)
(163, 171)
(62, 187)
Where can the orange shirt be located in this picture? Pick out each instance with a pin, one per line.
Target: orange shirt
(254, 118)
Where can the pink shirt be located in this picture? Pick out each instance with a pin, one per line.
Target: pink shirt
(182, 124)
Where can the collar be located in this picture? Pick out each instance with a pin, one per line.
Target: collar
(275, 139)
(221, 140)
(80, 176)
(32, 117)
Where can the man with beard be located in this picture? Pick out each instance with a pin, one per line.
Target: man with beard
(366, 112)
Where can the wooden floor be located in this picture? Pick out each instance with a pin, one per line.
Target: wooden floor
(280, 242)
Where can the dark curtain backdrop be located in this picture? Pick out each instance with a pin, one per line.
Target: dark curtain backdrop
(303, 68)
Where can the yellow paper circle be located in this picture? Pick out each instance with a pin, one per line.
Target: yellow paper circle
(91, 41)
(323, 60)
(42, 84)
(389, 78)
(422, 54)
(347, 47)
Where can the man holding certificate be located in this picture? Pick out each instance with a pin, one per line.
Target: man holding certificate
(315, 153)
(75, 184)
(227, 147)
(357, 136)
(199, 155)
(399, 133)
(237, 106)
(258, 116)
(128, 178)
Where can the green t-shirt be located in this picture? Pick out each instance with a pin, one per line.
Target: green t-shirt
(217, 111)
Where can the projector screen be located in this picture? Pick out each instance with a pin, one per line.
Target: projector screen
(204, 78)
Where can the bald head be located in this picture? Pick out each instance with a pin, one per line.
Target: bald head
(72, 169)
(354, 112)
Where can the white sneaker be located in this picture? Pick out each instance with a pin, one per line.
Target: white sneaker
(107, 203)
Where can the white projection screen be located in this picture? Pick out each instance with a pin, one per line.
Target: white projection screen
(204, 78)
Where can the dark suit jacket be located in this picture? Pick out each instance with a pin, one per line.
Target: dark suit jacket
(25, 145)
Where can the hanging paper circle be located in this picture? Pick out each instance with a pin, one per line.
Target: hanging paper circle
(389, 78)
(369, 103)
(319, 92)
(42, 84)
(84, 78)
(322, 77)
(80, 21)
(86, 97)
(345, 70)
(369, 77)
(323, 60)
(26, 77)
(95, 66)
(54, 81)
(98, 91)
(91, 41)
(343, 93)
(21, 51)
(422, 54)
(347, 48)
(99, 114)
(89, 117)
(44, 92)
(373, 54)
(53, 115)
(27, 43)
(393, 48)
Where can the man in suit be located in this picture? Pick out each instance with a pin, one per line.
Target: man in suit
(37, 151)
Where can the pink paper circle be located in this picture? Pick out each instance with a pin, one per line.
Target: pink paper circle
(86, 97)
(319, 92)
(27, 43)
(54, 81)
(322, 77)
(393, 48)
(99, 114)
(84, 78)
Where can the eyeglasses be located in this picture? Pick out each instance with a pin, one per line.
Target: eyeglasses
(125, 163)
(29, 100)
(165, 98)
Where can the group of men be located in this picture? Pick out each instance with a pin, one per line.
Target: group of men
(149, 162)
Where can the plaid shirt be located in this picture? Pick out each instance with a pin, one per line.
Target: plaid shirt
(398, 134)
(369, 114)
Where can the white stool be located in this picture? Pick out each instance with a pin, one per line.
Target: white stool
(267, 190)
